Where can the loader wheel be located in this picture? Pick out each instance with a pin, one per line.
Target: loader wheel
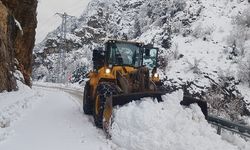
(87, 103)
(104, 92)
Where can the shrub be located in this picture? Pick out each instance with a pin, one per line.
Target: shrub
(224, 98)
(203, 32)
(79, 74)
(240, 34)
(243, 19)
(40, 72)
(236, 40)
(174, 52)
(195, 66)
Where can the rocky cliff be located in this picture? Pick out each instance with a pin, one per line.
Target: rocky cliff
(17, 36)
(6, 50)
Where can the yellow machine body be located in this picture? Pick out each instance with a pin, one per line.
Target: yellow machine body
(124, 84)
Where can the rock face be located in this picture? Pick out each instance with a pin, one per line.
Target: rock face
(6, 50)
(17, 36)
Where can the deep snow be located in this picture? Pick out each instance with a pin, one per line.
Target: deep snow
(151, 125)
(48, 118)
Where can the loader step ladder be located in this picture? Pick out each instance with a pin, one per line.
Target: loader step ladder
(229, 125)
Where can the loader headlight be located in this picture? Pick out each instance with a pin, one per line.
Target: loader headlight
(107, 71)
(156, 75)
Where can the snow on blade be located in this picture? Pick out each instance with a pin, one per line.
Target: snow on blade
(151, 125)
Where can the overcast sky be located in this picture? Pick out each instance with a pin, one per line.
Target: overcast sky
(48, 21)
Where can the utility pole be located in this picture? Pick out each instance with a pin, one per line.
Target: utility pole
(63, 47)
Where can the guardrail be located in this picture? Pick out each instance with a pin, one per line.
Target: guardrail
(219, 122)
(228, 125)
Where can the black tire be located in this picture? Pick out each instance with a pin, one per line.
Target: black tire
(87, 102)
(104, 90)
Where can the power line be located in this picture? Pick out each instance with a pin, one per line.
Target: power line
(62, 48)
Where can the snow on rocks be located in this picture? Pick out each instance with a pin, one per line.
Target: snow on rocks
(150, 125)
(19, 26)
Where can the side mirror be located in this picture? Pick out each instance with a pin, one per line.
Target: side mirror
(98, 54)
(98, 58)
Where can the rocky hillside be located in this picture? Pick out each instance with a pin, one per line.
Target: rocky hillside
(204, 45)
(105, 19)
(17, 35)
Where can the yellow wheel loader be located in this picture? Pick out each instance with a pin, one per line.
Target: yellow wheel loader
(123, 71)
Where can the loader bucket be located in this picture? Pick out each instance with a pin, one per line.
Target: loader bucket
(126, 98)
(120, 100)
(187, 100)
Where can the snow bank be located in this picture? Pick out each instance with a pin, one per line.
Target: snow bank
(151, 125)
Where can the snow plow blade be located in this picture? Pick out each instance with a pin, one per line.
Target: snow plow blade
(126, 98)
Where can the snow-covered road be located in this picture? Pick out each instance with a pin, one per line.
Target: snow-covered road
(51, 118)
(55, 122)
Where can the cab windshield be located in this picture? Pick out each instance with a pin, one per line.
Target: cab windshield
(125, 54)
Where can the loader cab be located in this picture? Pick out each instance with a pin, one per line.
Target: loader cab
(134, 54)
(123, 53)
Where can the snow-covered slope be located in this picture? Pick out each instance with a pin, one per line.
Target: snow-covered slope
(213, 55)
